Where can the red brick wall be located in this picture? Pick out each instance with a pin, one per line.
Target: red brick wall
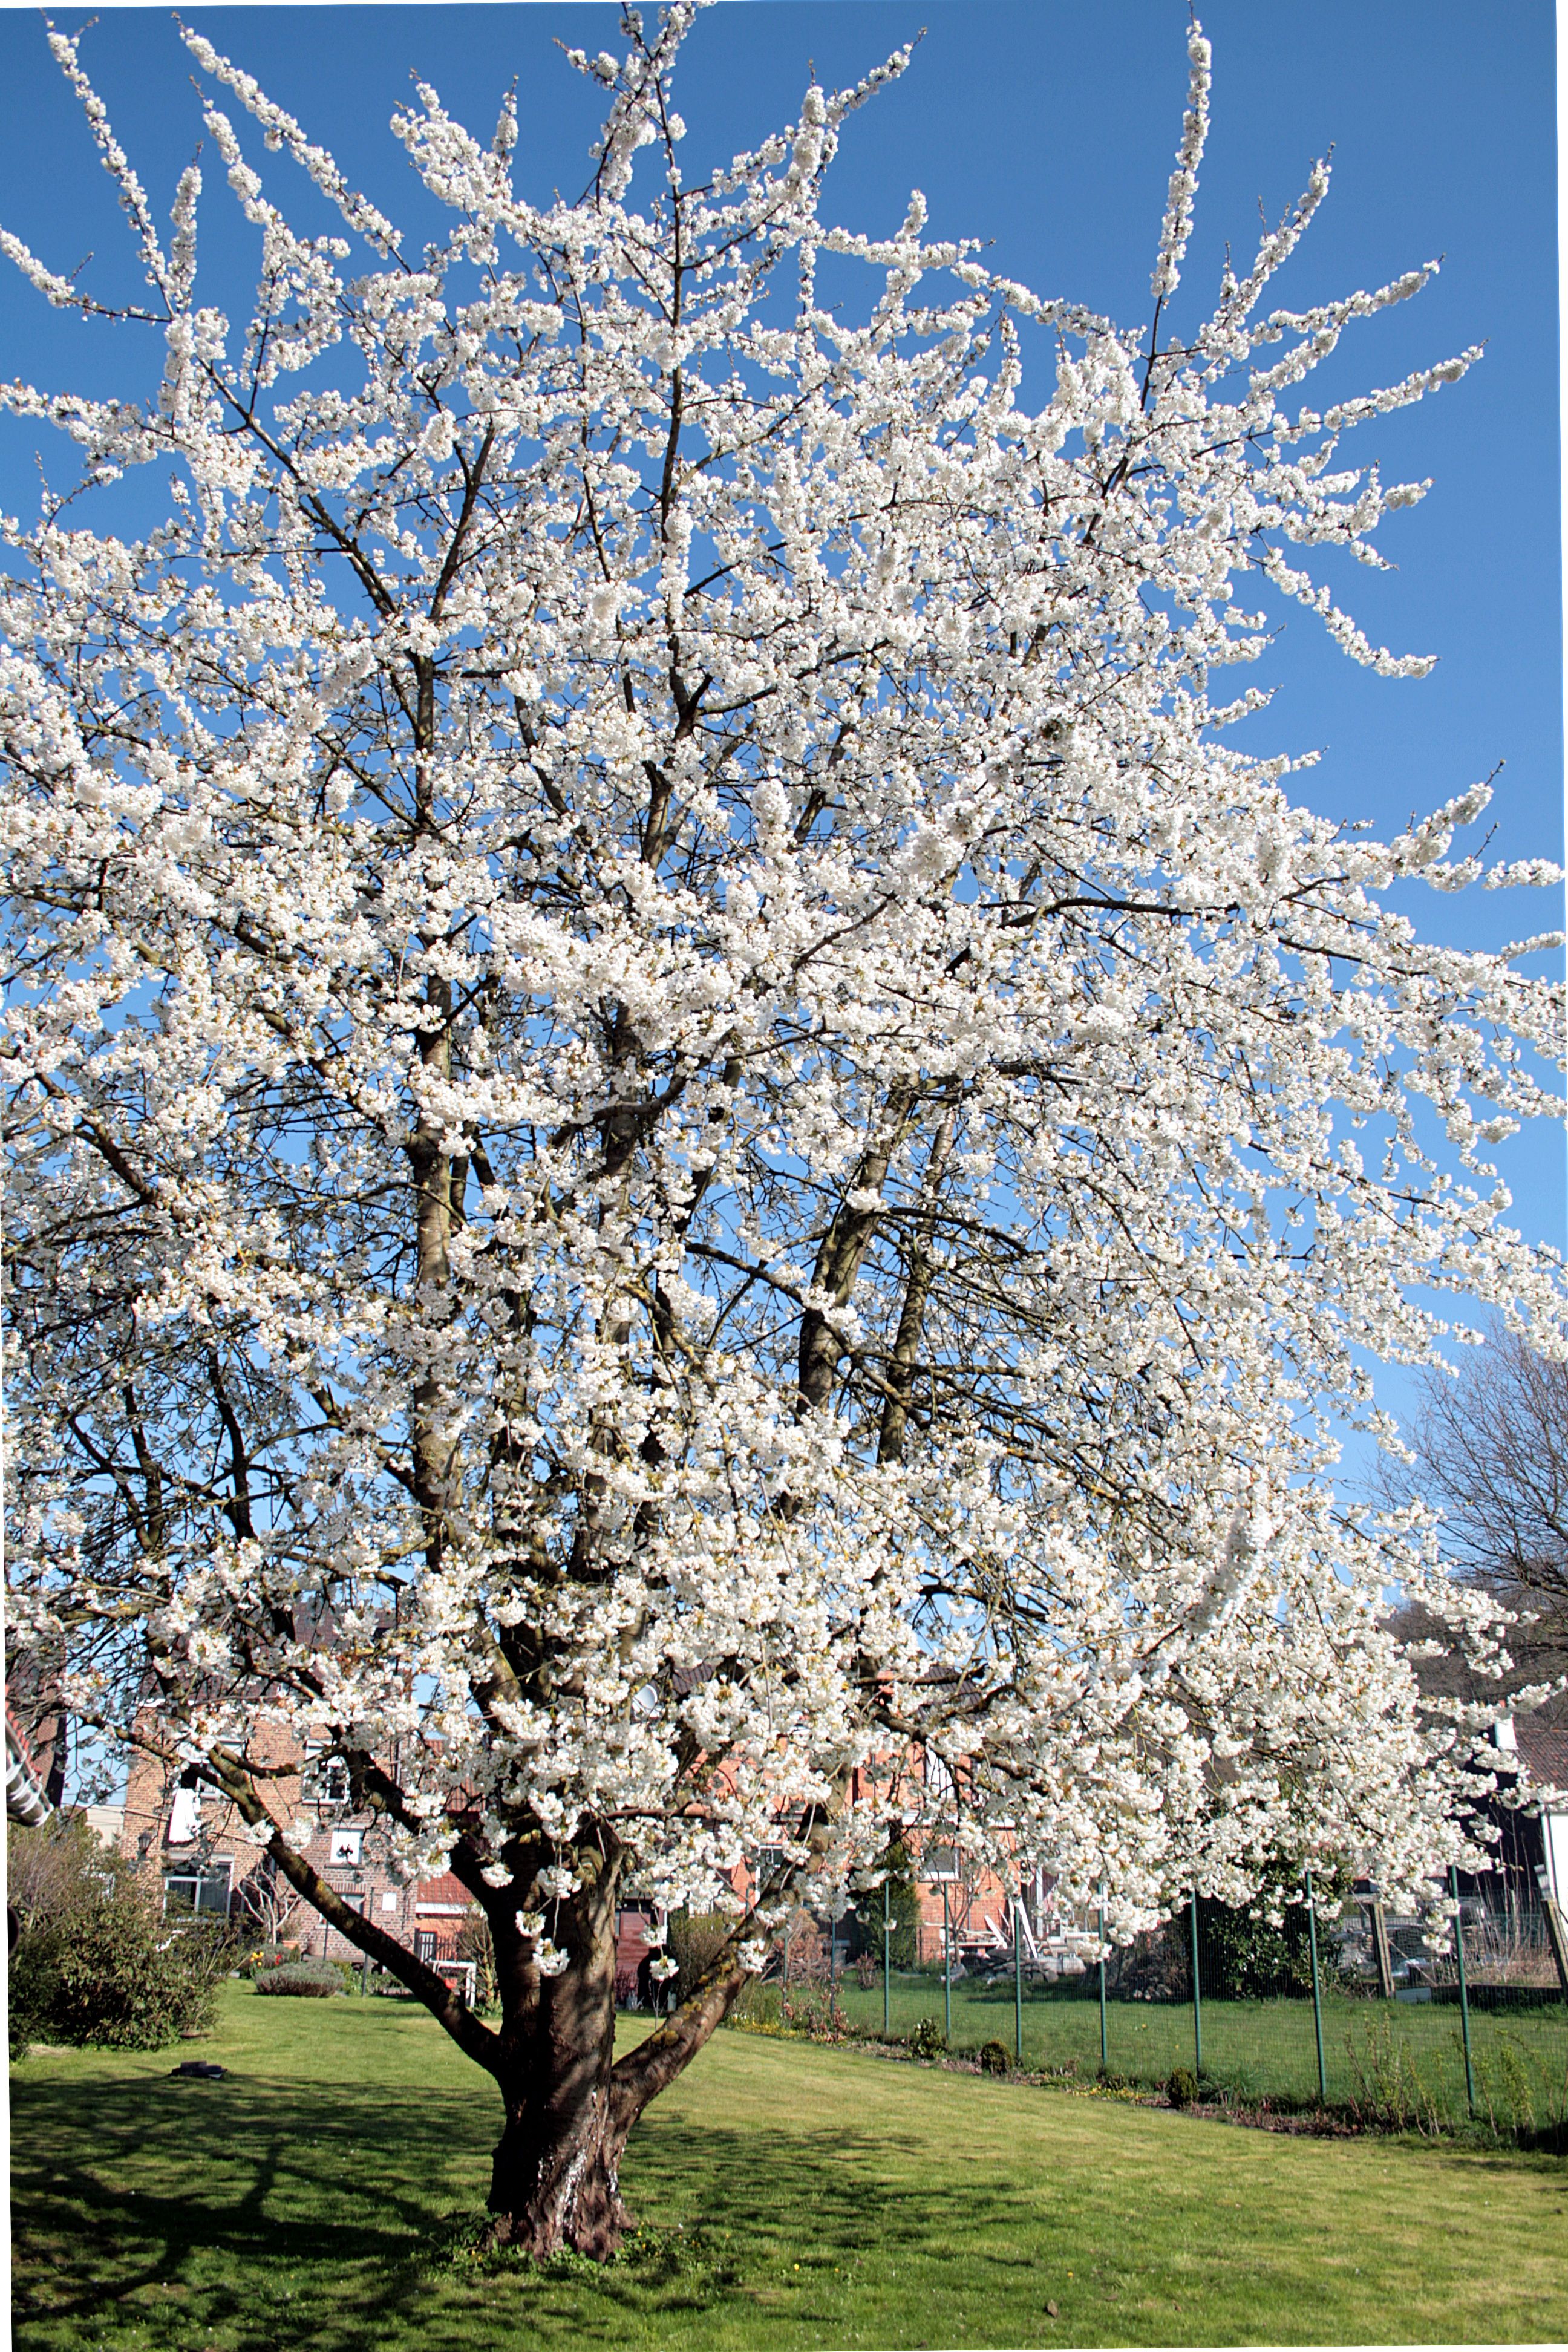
(150, 1795)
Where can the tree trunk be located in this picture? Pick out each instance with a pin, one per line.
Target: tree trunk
(570, 2106)
(555, 2178)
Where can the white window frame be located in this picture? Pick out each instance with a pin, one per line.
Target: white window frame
(218, 1867)
(324, 1781)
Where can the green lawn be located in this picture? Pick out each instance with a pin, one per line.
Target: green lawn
(1265, 2048)
(827, 2198)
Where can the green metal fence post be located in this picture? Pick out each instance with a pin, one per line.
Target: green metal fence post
(1464, 1993)
(946, 1965)
(1018, 1975)
(887, 1958)
(1104, 2063)
(1316, 1994)
(1197, 1996)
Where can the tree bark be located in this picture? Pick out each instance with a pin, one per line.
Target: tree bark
(555, 2175)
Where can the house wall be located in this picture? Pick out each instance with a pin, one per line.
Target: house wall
(977, 1916)
(978, 1910)
(181, 1838)
(1554, 1838)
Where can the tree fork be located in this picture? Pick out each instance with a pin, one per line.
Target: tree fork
(555, 2176)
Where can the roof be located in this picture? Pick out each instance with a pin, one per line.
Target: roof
(445, 1889)
(1543, 1750)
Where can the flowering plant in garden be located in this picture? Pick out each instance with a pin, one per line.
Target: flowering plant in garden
(683, 1125)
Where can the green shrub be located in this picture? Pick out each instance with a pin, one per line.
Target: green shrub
(115, 1973)
(758, 2006)
(305, 1980)
(927, 2039)
(59, 1870)
(694, 1938)
(994, 2059)
(1181, 2088)
(1244, 1957)
(257, 1958)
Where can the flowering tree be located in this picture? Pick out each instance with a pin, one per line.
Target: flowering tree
(683, 1125)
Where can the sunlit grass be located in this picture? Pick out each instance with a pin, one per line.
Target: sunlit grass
(1258, 2049)
(794, 2197)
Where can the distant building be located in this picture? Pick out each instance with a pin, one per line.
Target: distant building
(212, 1864)
(1533, 1850)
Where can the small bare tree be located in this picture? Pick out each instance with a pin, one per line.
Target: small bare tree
(1491, 1450)
(268, 1900)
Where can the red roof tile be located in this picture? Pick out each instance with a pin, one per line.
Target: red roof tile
(445, 1889)
(1544, 1751)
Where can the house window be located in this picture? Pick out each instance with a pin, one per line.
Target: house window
(356, 1903)
(201, 1892)
(425, 1944)
(346, 1847)
(325, 1781)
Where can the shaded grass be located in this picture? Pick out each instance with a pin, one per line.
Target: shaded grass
(791, 2196)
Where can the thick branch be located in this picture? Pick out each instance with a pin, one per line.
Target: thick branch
(474, 2041)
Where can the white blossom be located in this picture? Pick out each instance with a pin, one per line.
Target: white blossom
(688, 1135)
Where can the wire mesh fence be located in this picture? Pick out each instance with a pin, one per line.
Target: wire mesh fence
(1409, 2027)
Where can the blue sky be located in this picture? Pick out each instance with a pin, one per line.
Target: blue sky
(1048, 127)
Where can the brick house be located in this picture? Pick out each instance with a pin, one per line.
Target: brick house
(212, 1864)
(958, 1901)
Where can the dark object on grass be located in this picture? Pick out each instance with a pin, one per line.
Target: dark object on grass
(1182, 2087)
(994, 2059)
(202, 2070)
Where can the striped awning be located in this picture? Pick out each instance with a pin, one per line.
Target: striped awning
(25, 1800)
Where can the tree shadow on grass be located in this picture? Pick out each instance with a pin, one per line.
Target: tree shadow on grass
(830, 2192)
(258, 2215)
(219, 2190)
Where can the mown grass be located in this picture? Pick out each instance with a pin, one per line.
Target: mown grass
(792, 2197)
(1374, 2050)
